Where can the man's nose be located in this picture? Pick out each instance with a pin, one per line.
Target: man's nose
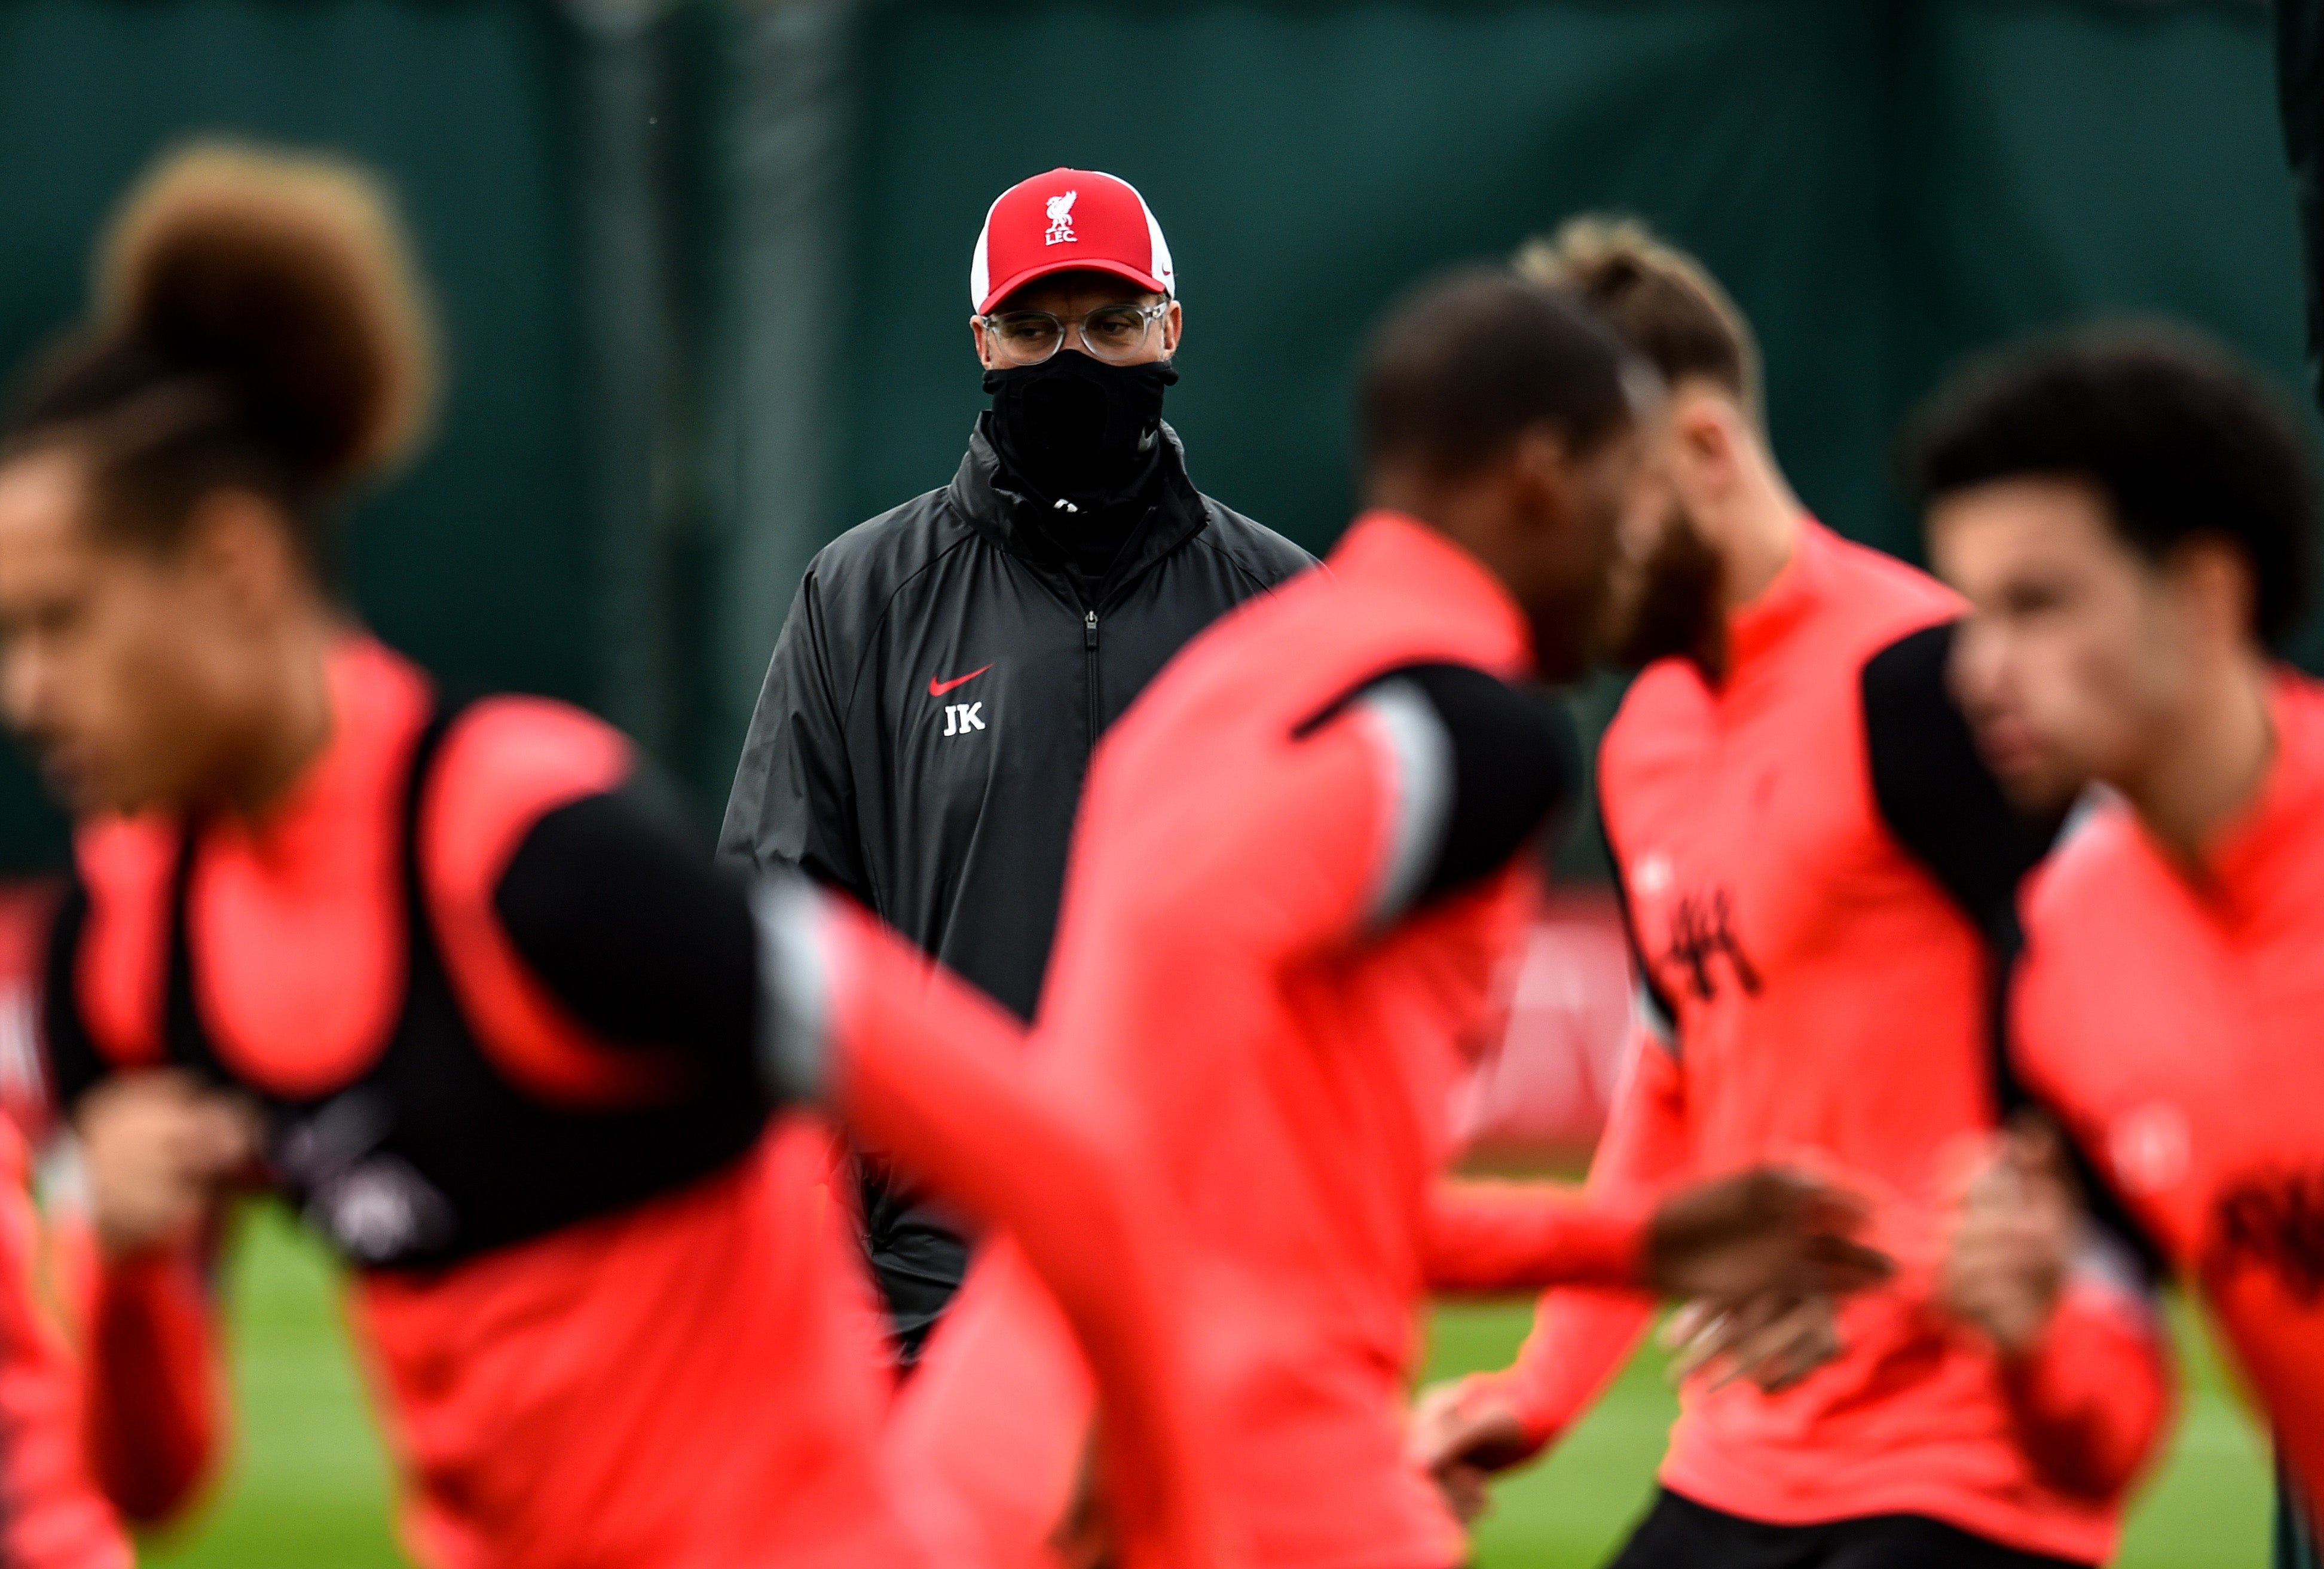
(1975, 670)
(25, 689)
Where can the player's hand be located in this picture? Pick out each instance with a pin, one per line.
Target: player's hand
(160, 1149)
(2013, 1239)
(1773, 1339)
(1461, 1433)
(1762, 1233)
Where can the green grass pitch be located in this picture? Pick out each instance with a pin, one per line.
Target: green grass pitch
(309, 1487)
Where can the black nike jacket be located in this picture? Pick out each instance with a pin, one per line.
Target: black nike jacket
(924, 728)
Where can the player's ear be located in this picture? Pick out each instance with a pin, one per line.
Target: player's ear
(2211, 580)
(1705, 437)
(239, 547)
(1540, 464)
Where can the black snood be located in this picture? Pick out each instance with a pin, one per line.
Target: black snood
(1074, 427)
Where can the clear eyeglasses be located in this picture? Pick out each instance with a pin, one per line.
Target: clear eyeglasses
(1116, 334)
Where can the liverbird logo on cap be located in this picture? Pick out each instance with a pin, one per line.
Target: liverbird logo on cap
(1061, 217)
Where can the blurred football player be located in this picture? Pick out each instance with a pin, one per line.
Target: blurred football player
(1813, 864)
(426, 969)
(2131, 516)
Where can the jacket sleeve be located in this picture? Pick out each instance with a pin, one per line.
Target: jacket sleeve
(794, 799)
(1582, 1339)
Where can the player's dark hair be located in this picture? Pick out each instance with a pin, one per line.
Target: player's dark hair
(259, 324)
(1663, 302)
(2180, 438)
(1468, 361)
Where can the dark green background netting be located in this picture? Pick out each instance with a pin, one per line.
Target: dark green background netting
(1882, 186)
(479, 559)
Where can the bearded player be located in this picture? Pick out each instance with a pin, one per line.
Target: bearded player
(1813, 865)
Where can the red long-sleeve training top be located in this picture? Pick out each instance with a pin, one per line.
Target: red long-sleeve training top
(1821, 1001)
(2169, 1014)
(682, 1373)
(1244, 989)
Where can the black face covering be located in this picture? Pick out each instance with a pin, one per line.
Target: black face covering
(1076, 426)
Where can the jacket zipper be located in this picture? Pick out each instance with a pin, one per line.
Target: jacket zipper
(1089, 641)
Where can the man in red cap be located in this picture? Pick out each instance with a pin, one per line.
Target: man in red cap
(947, 666)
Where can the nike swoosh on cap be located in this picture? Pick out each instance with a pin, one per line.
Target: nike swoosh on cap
(938, 689)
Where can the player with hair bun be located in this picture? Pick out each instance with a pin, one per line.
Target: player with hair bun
(425, 970)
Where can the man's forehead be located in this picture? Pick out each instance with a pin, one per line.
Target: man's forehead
(1073, 291)
(2043, 512)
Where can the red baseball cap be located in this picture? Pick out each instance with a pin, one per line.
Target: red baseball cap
(1068, 220)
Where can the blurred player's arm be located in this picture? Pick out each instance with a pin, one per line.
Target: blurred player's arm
(158, 1156)
(925, 1063)
(153, 1411)
(2084, 1359)
(649, 946)
(1750, 1234)
(161, 1153)
(1486, 1238)
(1580, 1338)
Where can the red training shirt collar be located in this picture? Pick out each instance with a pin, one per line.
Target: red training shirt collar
(1753, 629)
(2241, 857)
(1392, 546)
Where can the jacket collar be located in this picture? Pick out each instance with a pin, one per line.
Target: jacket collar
(1006, 517)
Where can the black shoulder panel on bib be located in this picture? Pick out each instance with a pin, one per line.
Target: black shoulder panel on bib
(1512, 761)
(433, 1156)
(1933, 790)
(1948, 812)
(646, 942)
(2106, 1207)
(73, 1062)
